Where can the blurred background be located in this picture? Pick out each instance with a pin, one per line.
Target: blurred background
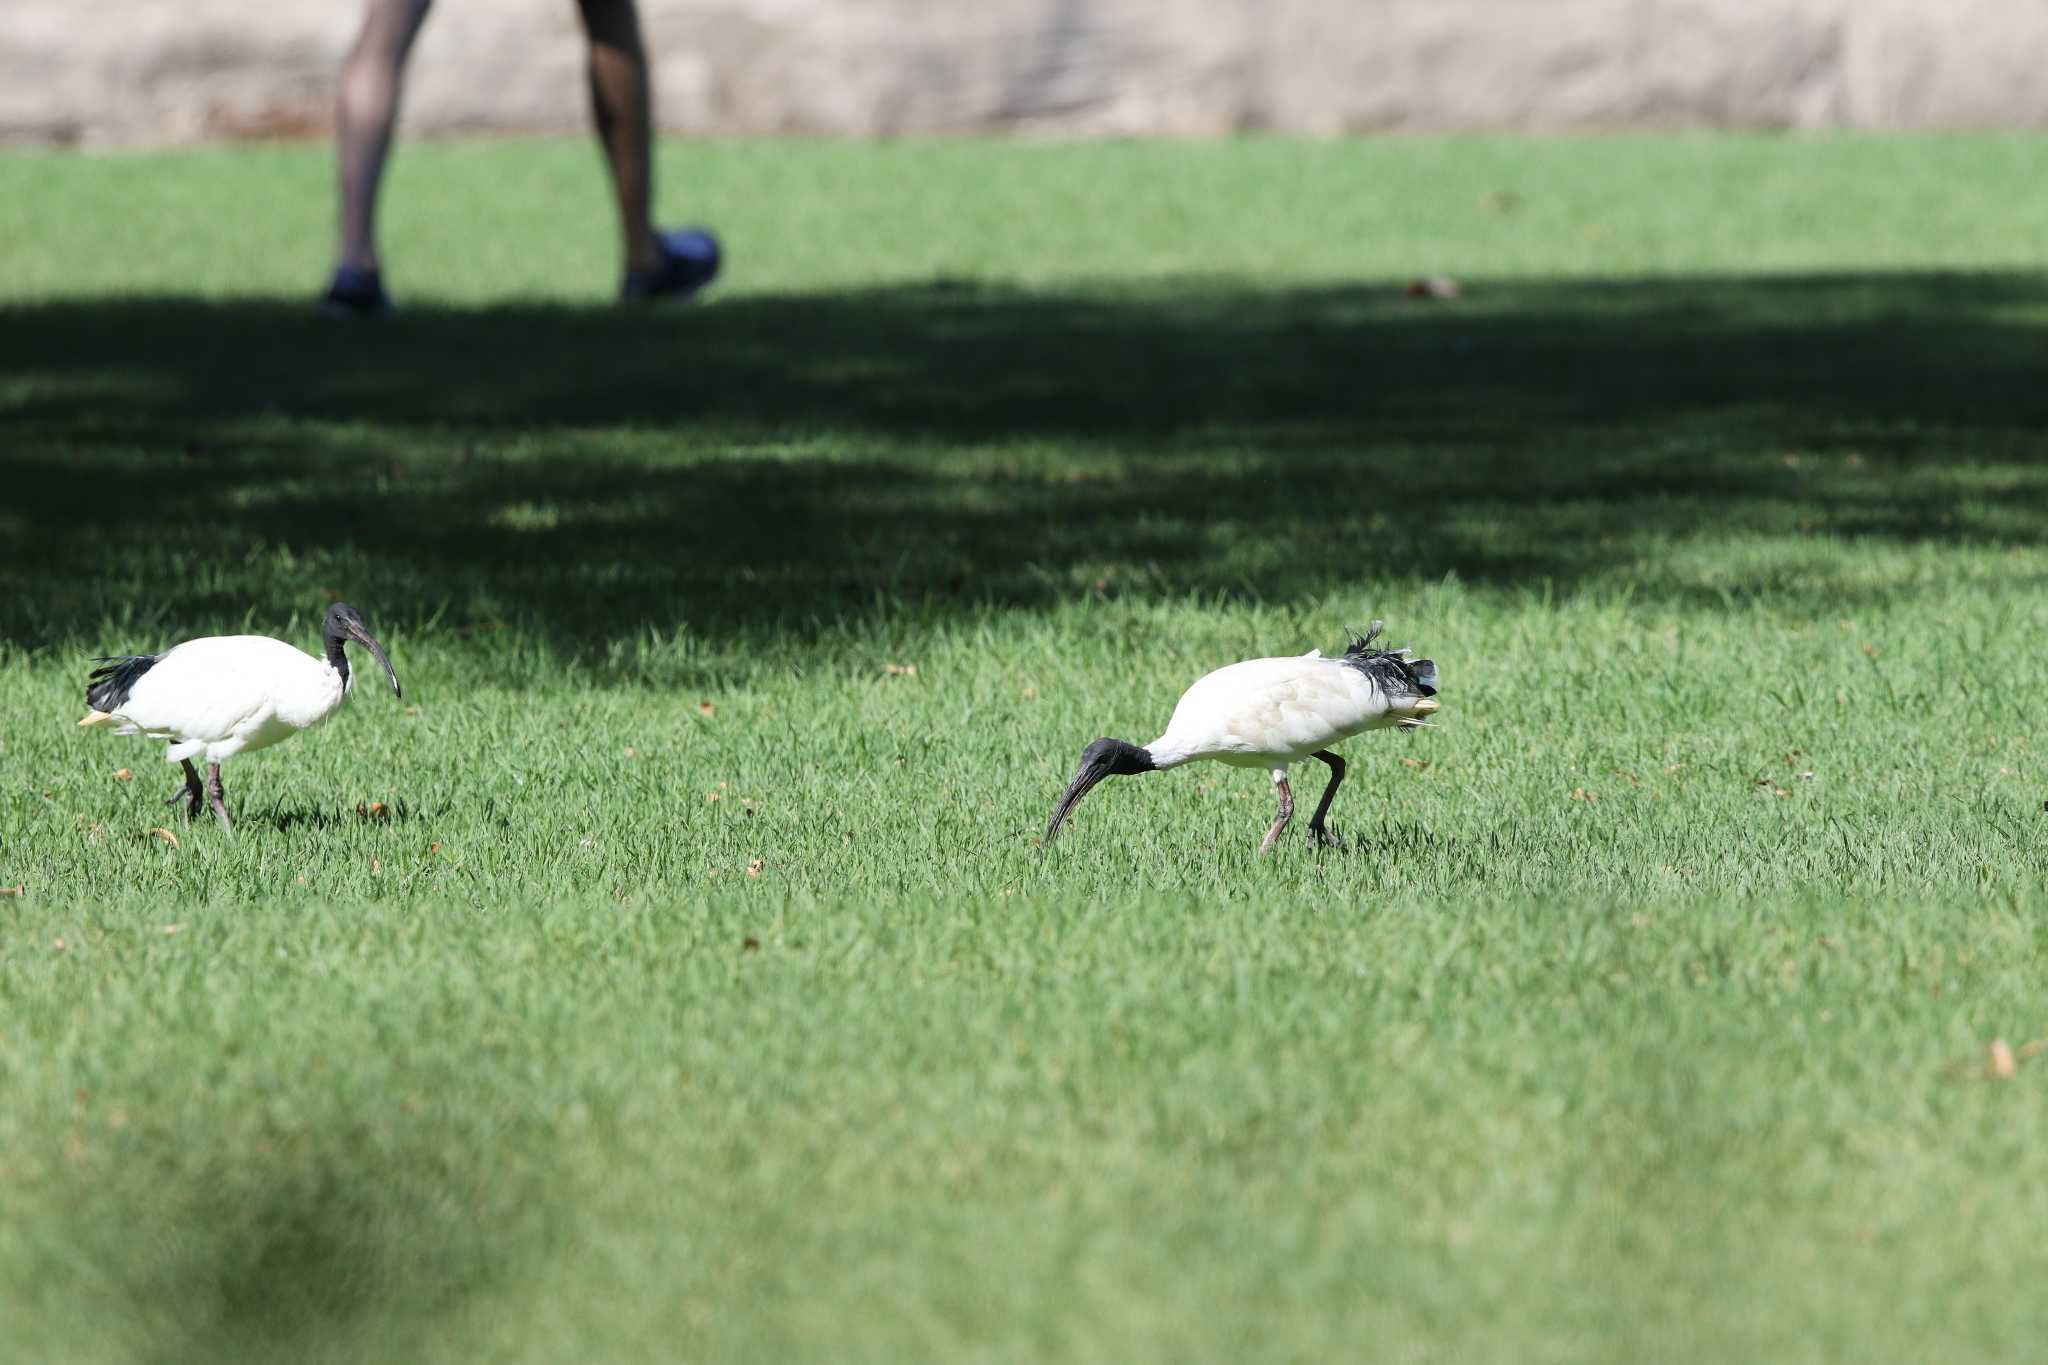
(146, 72)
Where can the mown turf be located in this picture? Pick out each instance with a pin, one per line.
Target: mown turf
(673, 974)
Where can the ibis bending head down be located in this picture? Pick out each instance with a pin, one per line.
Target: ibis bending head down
(1269, 713)
(227, 694)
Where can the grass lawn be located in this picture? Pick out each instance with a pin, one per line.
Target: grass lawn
(673, 973)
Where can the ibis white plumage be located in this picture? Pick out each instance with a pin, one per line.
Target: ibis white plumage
(1270, 713)
(227, 694)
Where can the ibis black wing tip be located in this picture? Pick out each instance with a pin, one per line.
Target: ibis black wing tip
(108, 686)
(1397, 669)
(1357, 645)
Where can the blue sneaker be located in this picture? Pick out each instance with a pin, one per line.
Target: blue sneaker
(355, 293)
(689, 261)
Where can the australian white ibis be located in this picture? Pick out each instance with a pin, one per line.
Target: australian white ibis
(1268, 713)
(227, 694)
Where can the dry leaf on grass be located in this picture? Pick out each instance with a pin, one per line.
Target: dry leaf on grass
(124, 774)
(705, 708)
(1416, 763)
(1998, 1062)
(165, 835)
(754, 868)
(376, 810)
(750, 945)
(1581, 794)
(20, 890)
(900, 670)
(172, 928)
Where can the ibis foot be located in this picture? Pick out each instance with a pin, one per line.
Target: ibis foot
(194, 796)
(1286, 811)
(1320, 837)
(217, 797)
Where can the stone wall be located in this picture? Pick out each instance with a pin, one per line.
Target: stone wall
(152, 71)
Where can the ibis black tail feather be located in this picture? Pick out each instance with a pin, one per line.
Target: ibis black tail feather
(108, 687)
(1395, 670)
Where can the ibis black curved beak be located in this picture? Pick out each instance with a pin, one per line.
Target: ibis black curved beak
(361, 635)
(1103, 758)
(1084, 780)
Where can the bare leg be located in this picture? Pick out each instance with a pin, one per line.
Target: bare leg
(193, 796)
(1286, 810)
(619, 101)
(1317, 832)
(217, 796)
(370, 82)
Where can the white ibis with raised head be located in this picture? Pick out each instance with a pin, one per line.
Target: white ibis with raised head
(1269, 713)
(227, 694)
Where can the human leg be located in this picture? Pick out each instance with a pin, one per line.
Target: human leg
(658, 264)
(371, 79)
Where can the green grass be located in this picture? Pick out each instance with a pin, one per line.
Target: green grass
(694, 988)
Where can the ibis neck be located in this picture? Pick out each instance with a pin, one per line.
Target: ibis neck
(1131, 759)
(1166, 752)
(337, 659)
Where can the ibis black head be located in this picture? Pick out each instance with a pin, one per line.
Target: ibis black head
(345, 623)
(1103, 758)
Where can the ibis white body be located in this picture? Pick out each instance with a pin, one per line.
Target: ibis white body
(1268, 713)
(226, 695)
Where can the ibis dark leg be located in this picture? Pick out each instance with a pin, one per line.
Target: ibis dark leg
(1286, 810)
(217, 796)
(1318, 833)
(194, 796)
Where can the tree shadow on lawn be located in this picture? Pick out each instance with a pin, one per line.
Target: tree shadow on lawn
(757, 467)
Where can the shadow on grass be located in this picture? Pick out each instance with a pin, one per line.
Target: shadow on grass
(339, 816)
(762, 468)
(320, 1251)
